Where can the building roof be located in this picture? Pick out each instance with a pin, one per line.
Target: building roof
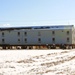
(40, 27)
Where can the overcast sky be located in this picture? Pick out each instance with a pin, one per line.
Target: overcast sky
(36, 12)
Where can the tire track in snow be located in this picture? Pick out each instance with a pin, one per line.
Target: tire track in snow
(44, 66)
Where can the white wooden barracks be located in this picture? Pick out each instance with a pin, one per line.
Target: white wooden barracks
(38, 35)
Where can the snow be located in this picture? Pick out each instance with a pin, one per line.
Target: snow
(37, 62)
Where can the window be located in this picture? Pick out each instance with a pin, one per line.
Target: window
(18, 40)
(67, 32)
(25, 33)
(2, 34)
(25, 40)
(3, 40)
(53, 40)
(39, 40)
(68, 39)
(18, 33)
(39, 34)
(53, 32)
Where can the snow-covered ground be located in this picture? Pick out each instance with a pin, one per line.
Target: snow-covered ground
(37, 62)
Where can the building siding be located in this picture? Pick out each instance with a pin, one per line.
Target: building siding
(37, 36)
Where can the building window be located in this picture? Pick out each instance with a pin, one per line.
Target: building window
(18, 33)
(53, 40)
(68, 39)
(2, 34)
(53, 32)
(25, 33)
(39, 34)
(25, 40)
(18, 40)
(39, 40)
(3, 40)
(67, 32)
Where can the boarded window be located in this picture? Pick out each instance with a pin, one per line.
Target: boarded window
(39, 40)
(18, 33)
(2, 34)
(3, 40)
(53, 32)
(67, 32)
(18, 40)
(25, 33)
(53, 40)
(25, 40)
(39, 34)
(68, 39)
